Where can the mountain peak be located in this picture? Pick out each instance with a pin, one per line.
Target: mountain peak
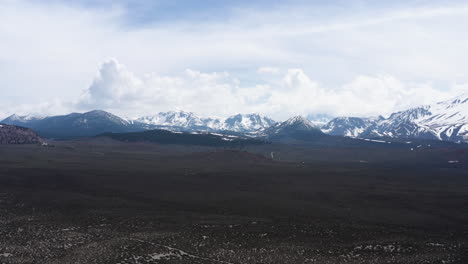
(13, 117)
(18, 120)
(300, 122)
(295, 128)
(97, 113)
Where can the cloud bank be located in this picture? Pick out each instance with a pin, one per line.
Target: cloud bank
(291, 92)
(358, 60)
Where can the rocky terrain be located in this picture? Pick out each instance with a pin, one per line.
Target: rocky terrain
(17, 135)
(105, 201)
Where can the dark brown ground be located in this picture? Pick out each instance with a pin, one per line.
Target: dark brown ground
(101, 201)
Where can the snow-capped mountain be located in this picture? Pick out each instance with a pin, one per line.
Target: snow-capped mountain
(401, 125)
(190, 122)
(295, 128)
(293, 123)
(247, 123)
(179, 119)
(97, 122)
(78, 125)
(349, 126)
(17, 120)
(447, 120)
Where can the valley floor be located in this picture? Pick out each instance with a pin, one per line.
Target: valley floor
(111, 202)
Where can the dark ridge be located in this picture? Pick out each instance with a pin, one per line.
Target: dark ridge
(168, 137)
(17, 135)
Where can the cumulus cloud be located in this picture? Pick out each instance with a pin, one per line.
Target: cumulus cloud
(117, 89)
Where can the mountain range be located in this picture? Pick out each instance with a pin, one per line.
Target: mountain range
(446, 120)
(188, 121)
(74, 124)
(98, 122)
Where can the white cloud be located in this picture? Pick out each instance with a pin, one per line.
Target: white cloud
(351, 63)
(119, 90)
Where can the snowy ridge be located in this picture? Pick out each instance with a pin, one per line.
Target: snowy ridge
(18, 120)
(247, 123)
(447, 120)
(290, 127)
(99, 115)
(98, 121)
(349, 126)
(173, 118)
(188, 120)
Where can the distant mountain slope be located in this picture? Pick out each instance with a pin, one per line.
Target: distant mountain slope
(295, 128)
(24, 121)
(402, 125)
(97, 122)
(247, 123)
(181, 120)
(349, 126)
(187, 121)
(78, 125)
(169, 137)
(447, 120)
(87, 124)
(17, 135)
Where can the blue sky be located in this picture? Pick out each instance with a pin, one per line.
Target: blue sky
(164, 10)
(278, 58)
(159, 11)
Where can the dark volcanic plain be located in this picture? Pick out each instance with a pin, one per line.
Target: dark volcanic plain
(103, 201)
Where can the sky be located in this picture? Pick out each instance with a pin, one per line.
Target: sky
(217, 58)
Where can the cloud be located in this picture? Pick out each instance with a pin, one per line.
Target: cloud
(54, 106)
(268, 70)
(358, 60)
(117, 89)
